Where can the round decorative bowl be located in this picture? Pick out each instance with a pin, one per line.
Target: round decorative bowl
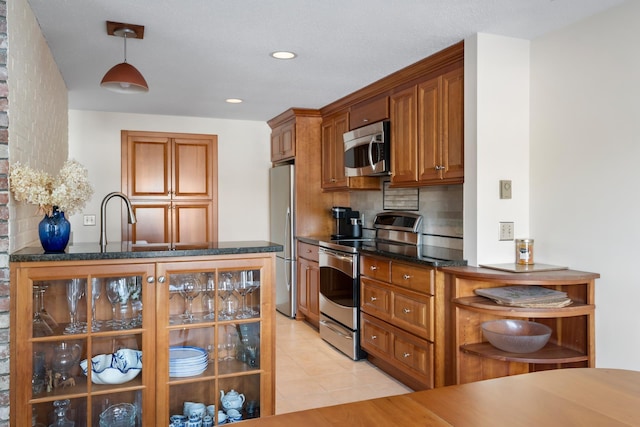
(516, 336)
(117, 368)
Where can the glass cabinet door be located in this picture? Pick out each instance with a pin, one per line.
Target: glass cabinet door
(86, 344)
(213, 327)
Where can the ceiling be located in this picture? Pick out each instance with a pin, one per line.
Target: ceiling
(197, 53)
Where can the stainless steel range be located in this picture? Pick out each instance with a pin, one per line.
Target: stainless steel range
(339, 262)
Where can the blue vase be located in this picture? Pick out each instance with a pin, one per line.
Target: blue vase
(54, 231)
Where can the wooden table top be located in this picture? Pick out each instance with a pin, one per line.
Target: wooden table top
(562, 397)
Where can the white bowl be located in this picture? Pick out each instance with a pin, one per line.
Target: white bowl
(117, 368)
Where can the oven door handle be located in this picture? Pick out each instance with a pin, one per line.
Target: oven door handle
(333, 328)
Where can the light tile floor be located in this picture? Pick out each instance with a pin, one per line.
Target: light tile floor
(311, 374)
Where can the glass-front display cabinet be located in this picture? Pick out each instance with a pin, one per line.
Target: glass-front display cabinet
(164, 343)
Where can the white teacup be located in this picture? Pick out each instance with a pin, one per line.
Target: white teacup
(211, 411)
(198, 409)
(222, 417)
(234, 414)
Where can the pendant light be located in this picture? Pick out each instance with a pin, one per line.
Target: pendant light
(124, 77)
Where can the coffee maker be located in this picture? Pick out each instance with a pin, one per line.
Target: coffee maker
(348, 224)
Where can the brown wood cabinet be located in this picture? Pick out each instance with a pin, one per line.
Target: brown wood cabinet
(333, 175)
(312, 205)
(441, 129)
(368, 111)
(239, 351)
(308, 283)
(572, 342)
(403, 320)
(427, 132)
(171, 180)
(283, 142)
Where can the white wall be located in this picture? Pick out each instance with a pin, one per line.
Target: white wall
(496, 145)
(585, 202)
(243, 165)
(37, 113)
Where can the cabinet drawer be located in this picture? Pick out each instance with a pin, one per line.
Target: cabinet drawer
(414, 313)
(413, 277)
(374, 337)
(375, 268)
(414, 354)
(369, 111)
(308, 251)
(375, 299)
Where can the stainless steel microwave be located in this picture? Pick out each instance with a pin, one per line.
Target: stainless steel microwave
(367, 150)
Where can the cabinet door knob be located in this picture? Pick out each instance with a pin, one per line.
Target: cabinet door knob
(151, 279)
(406, 277)
(373, 268)
(406, 310)
(161, 279)
(374, 337)
(439, 168)
(405, 355)
(374, 299)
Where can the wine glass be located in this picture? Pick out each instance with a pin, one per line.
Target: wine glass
(113, 295)
(208, 298)
(44, 314)
(134, 286)
(229, 302)
(190, 288)
(40, 327)
(96, 291)
(75, 291)
(253, 285)
(243, 287)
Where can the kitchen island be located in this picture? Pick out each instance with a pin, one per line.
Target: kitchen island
(172, 305)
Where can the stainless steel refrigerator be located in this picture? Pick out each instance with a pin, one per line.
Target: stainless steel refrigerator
(282, 221)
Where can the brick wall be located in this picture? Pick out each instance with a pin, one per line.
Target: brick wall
(4, 225)
(34, 131)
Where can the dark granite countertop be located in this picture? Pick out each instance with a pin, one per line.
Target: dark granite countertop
(432, 256)
(127, 250)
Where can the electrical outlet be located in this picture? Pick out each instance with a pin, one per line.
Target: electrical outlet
(506, 231)
(89, 220)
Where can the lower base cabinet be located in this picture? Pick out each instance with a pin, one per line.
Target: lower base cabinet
(195, 329)
(402, 320)
(403, 355)
(308, 283)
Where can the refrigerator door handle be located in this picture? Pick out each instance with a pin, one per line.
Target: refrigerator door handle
(287, 242)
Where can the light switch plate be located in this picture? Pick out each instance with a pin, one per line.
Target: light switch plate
(89, 220)
(505, 189)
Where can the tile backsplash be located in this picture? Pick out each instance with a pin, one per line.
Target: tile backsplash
(440, 207)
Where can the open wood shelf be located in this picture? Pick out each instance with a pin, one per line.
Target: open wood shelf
(549, 354)
(487, 306)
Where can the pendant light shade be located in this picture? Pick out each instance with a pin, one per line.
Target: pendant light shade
(124, 77)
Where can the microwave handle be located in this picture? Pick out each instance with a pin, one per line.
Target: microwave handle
(371, 143)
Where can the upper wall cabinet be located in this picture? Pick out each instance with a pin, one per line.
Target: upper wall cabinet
(425, 105)
(283, 142)
(369, 111)
(427, 132)
(333, 174)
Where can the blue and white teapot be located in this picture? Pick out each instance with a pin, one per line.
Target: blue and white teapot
(231, 400)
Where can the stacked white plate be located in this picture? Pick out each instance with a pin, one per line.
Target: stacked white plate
(187, 361)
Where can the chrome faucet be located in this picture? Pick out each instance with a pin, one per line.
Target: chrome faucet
(103, 212)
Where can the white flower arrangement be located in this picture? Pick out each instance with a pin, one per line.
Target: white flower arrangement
(68, 192)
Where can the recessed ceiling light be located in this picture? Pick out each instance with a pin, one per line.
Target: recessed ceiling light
(233, 100)
(283, 55)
